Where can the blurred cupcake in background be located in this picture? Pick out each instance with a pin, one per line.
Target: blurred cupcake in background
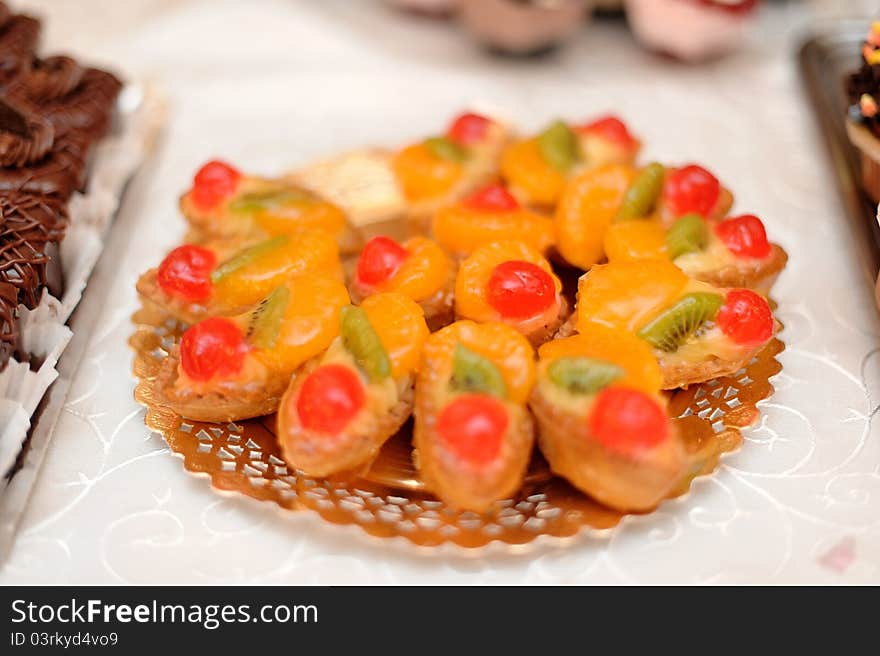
(863, 122)
(440, 8)
(523, 27)
(691, 30)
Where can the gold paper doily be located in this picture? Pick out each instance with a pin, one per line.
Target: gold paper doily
(390, 500)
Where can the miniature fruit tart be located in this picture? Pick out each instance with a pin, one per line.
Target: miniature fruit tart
(597, 198)
(602, 422)
(194, 282)
(511, 283)
(225, 204)
(442, 169)
(418, 268)
(337, 414)
(232, 368)
(698, 331)
(488, 215)
(537, 169)
(473, 433)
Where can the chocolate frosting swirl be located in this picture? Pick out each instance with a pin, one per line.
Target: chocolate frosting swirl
(88, 108)
(25, 136)
(18, 38)
(52, 78)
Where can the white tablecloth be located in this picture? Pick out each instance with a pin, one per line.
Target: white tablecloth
(270, 85)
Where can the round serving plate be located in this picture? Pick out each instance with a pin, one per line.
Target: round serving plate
(390, 500)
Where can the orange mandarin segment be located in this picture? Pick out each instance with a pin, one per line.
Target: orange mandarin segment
(422, 174)
(424, 271)
(400, 324)
(635, 240)
(507, 349)
(623, 349)
(625, 295)
(256, 271)
(524, 168)
(462, 229)
(472, 282)
(586, 209)
(296, 216)
(310, 321)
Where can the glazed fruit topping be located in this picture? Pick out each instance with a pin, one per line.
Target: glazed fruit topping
(493, 198)
(628, 420)
(559, 146)
(447, 149)
(673, 327)
(642, 194)
(471, 372)
(268, 200)
(610, 128)
(186, 272)
(688, 234)
(746, 318)
(583, 375)
(363, 343)
(744, 236)
(468, 129)
(472, 426)
(247, 256)
(518, 289)
(379, 260)
(213, 183)
(330, 398)
(268, 317)
(213, 347)
(691, 189)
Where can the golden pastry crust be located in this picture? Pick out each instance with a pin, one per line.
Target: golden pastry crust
(228, 401)
(612, 479)
(153, 296)
(354, 451)
(758, 275)
(467, 488)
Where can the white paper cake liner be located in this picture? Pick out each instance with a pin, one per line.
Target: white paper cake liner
(43, 333)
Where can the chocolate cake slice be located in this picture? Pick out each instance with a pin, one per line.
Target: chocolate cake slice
(8, 322)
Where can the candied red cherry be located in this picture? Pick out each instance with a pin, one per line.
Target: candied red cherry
(213, 347)
(214, 182)
(628, 420)
(493, 198)
(330, 398)
(472, 426)
(468, 129)
(519, 289)
(691, 189)
(186, 272)
(745, 317)
(379, 260)
(610, 128)
(744, 236)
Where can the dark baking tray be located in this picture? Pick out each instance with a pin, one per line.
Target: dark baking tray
(825, 58)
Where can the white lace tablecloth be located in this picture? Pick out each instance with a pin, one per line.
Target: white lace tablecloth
(271, 85)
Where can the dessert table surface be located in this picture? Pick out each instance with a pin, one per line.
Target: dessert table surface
(275, 84)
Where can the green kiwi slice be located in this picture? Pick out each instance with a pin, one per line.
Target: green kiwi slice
(472, 372)
(672, 327)
(267, 319)
(687, 235)
(447, 149)
(642, 194)
(363, 343)
(246, 257)
(265, 200)
(582, 375)
(559, 146)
